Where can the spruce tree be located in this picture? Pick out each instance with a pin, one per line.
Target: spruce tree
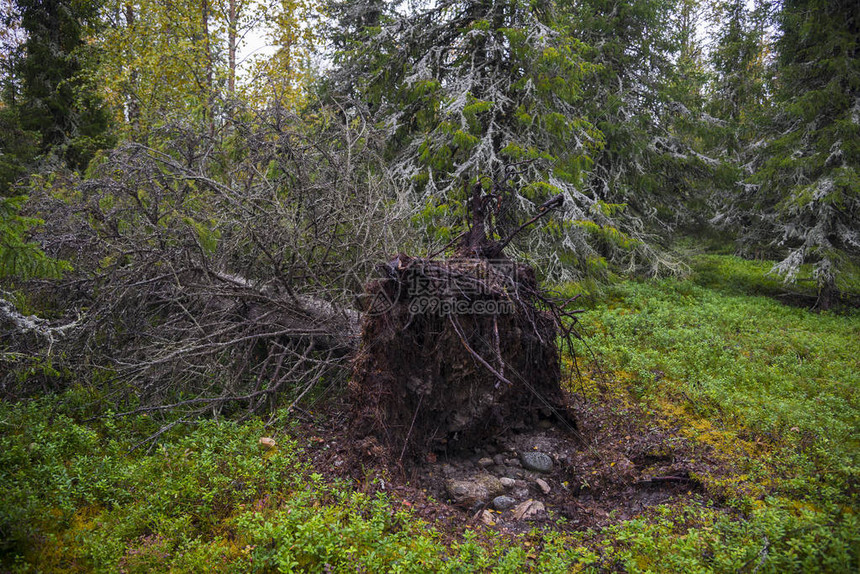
(55, 98)
(738, 105)
(807, 184)
(645, 98)
(739, 88)
(487, 92)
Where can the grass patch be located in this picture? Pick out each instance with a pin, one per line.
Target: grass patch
(743, 364)
(772, 388)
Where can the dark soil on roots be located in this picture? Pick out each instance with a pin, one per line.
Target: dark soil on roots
(453, 353)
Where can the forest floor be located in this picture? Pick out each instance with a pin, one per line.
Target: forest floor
(717, 431)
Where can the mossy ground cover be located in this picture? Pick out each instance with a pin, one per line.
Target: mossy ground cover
(716, 359)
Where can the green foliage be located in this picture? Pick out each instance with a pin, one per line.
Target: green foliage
(59, 475)
(740, 85)
(806, 189)
(696, 538)
(208, 499)
(598, 100)
(772, 367)
(506, 106)
(736, 370)
(56, 100)
(646, 162)
(18, 149)
(770, 387)
(20, 258)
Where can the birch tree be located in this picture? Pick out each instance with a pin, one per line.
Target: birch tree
(292, 30)
(162, 61)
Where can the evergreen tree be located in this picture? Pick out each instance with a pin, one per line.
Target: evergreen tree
(636, 100)
(738, 106)
(46, 107)
(690, 173)
(807, 185)
(359, 49)
(739, 90)
(489, 92)
(56, 99)
(18, 147)
(20, 258)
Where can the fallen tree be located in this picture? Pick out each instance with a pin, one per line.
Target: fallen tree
(206, 279)
(201, 291)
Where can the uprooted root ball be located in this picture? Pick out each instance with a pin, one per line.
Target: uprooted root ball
(452, 353)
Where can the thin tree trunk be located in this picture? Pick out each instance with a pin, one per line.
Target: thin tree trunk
(210, 88)
(231, 46)
(132, 103)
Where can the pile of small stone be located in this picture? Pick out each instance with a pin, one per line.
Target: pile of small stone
(503, 482)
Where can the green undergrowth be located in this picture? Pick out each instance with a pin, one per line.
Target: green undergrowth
(755, 367)
(771, 388)
(206, 500)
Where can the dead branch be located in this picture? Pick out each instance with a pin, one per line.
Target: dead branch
(231, 280)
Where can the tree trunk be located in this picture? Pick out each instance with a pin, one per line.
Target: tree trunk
(205, 12)
(132, 103)
(231, 47)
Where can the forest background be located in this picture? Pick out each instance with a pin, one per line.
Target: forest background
(186, 225)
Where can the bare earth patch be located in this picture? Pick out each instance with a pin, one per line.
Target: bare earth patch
(618, 462)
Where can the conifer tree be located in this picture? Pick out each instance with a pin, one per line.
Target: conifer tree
(738, 60)
(47, 107)
(644, 97)
(359, 51)
(55, 99)
(737, 108)
(806, 184)
(483, 91)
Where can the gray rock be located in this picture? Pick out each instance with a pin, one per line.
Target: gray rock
(528, 510)
(507, 482)
(503, 502)
(542, 484)
(536, 461)
(513, 462)
(499, 459)
(480, 488)
(487, 517)
(520, 493)
(485, 462)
